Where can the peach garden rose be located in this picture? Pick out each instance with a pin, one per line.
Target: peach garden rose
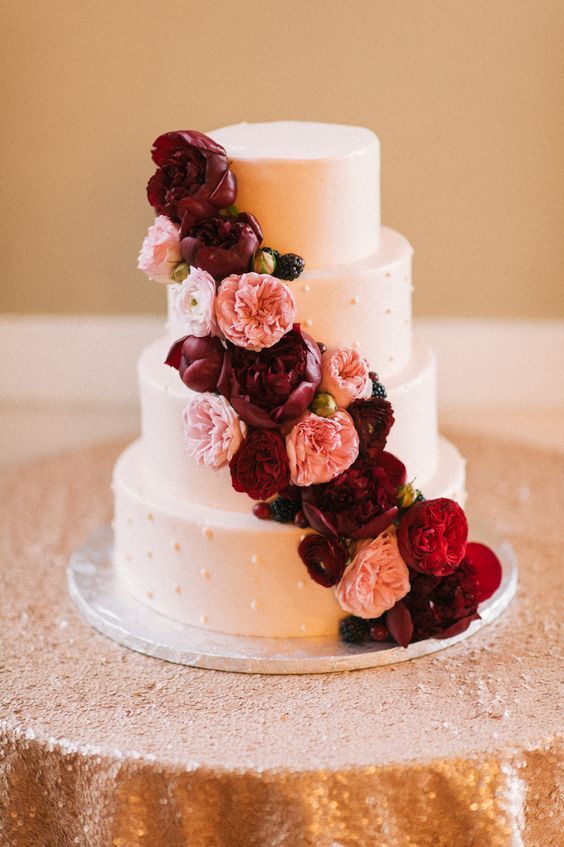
(344, 375)
(212, 429)
(376, 578)
(160, 250)
(254, 311)
(319, 449)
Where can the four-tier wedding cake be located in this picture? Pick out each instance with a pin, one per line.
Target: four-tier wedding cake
(290, 479)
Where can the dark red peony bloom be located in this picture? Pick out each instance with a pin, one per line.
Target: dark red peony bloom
(193, 180)
(221, 245)
(324, 558)
(441, 607)
(260, 466)
(198, 361)
(432, 536)
(373, 419)
(362, 498)
(275, 385)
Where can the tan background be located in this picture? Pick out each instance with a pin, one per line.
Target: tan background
(467, 98)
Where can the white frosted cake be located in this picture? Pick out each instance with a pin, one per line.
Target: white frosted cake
(189, 545)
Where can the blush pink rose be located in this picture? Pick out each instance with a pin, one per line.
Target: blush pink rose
(254, 310)
(194, 304)
(376, 578)
(212, 429)
(319, 449)
(344, 375)
(160, 250)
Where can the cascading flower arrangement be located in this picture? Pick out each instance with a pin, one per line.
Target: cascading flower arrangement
(302, 428)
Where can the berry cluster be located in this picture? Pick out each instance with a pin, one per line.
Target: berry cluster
(355, 630)
(288, 266)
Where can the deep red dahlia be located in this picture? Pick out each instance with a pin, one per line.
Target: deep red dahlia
(198, 361)
(275, 385)
(193, 179)
(260, 466)
(324, 558)
(373, 419)
(432, 536)
(221, 245)
(360, 494)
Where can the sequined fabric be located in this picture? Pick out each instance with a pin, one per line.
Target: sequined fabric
(103, 747)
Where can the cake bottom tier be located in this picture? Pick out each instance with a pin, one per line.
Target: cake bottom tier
(227, 571)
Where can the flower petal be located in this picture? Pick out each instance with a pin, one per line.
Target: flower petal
(487, 567)
(399, 624)
(318, 521)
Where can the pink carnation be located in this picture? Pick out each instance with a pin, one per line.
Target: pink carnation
(160, 250)
(376, 578)
(344, 375)
(319, 449)
(254, 310)
(194, 304)
(212, 429)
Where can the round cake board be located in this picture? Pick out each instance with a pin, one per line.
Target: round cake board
(106, 606)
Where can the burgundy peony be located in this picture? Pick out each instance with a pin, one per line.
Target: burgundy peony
(373, 419)
(432, 536)
(361, 502)
(442, 607)
(193, 180)
(324, 558)
(275, 385)
(260, 466)
(221, 245)
(198, 360)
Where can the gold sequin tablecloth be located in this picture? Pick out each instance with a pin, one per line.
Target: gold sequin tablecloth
(104, 747)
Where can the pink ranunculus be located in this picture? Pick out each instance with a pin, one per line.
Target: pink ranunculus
(160, 250)
(376, 578)
(254, 311)
(213, 431)
(344, 375)
(194, 304)
(319, 449)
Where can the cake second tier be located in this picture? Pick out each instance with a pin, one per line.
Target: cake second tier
(413, 438)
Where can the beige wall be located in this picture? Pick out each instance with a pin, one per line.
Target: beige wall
(467, 97)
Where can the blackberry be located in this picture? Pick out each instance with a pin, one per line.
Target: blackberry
(378, 390)
(353, 630)
(289, 266)
(283, 510)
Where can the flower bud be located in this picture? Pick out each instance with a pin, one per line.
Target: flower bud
(264, 262)
(406, 496)
(323, 405)
(180, 272)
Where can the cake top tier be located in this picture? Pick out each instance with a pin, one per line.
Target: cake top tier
(314, 187)
(295, 140)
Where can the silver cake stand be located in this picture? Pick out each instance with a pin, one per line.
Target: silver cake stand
(113, 612)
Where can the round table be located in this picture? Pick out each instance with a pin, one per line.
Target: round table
(102, 746)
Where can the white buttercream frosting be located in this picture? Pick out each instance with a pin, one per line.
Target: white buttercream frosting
(314, 187)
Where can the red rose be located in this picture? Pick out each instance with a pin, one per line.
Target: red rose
(260, 466)
(274, 385)
(324, 558)
(360, 497)
(221, 245)
(193, 179)
(373, 419)
(432, 536)
(198, 361)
